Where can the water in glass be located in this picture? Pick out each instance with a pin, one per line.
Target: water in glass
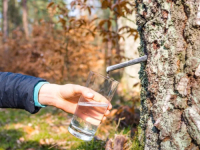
(86, 119)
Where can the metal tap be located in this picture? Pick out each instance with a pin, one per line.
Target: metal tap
(125, 64)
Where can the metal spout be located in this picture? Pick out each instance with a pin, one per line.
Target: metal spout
(125, 64)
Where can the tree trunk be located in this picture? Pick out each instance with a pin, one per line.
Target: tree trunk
(130, 78)
(25, 19)
(12, 15)
(5, 19)
(170, 96)
(117, 46)
(108, 62)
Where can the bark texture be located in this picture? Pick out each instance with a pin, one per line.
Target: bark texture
(170, 96)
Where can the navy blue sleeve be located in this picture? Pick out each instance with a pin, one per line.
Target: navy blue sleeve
(16, 91)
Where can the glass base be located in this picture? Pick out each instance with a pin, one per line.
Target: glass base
(79, 133)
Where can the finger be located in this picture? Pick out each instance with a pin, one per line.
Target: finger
(100, 98)
(86, 92)
(104, 118)
(90, 94)
(62, 105)
(109, 106)
(107, 113)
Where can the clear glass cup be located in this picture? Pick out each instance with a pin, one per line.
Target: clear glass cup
(89, 112)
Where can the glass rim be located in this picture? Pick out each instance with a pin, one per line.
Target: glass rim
(104, 76)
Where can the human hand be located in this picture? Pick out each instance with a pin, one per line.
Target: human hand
(66, 96)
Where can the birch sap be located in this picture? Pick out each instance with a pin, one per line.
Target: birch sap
(86, 119)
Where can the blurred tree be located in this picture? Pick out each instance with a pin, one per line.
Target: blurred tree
(1, 15)
(37, 10)
(25, 18)
(107, 47)
(117, 46)
(76, 28)
(5, 19)
(14, 17)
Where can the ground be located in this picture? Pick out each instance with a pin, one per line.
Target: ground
(20, 130)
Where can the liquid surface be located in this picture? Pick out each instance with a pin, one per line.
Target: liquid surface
(93, 104)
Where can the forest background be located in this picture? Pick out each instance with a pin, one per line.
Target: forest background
(61, 41)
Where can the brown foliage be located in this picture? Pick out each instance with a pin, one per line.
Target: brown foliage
(97, 27)
(50, 54)
(68, 54)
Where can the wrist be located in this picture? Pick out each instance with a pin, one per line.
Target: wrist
(47, 94)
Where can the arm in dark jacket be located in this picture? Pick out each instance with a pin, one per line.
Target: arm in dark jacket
(16, 91)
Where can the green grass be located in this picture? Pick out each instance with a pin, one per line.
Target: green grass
(41, 131)
(92, 145)
(47, 130)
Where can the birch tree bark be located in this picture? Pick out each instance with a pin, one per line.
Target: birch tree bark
(170, 95)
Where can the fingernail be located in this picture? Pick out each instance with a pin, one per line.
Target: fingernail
(107, 112)
(90, 94)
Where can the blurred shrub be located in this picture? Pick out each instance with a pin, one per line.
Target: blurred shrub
(49, 54)
(67, 55)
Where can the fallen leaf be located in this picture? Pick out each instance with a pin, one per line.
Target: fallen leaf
(28, 129)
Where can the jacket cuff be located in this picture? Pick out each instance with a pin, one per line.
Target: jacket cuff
(27, 93)
(36, 94)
